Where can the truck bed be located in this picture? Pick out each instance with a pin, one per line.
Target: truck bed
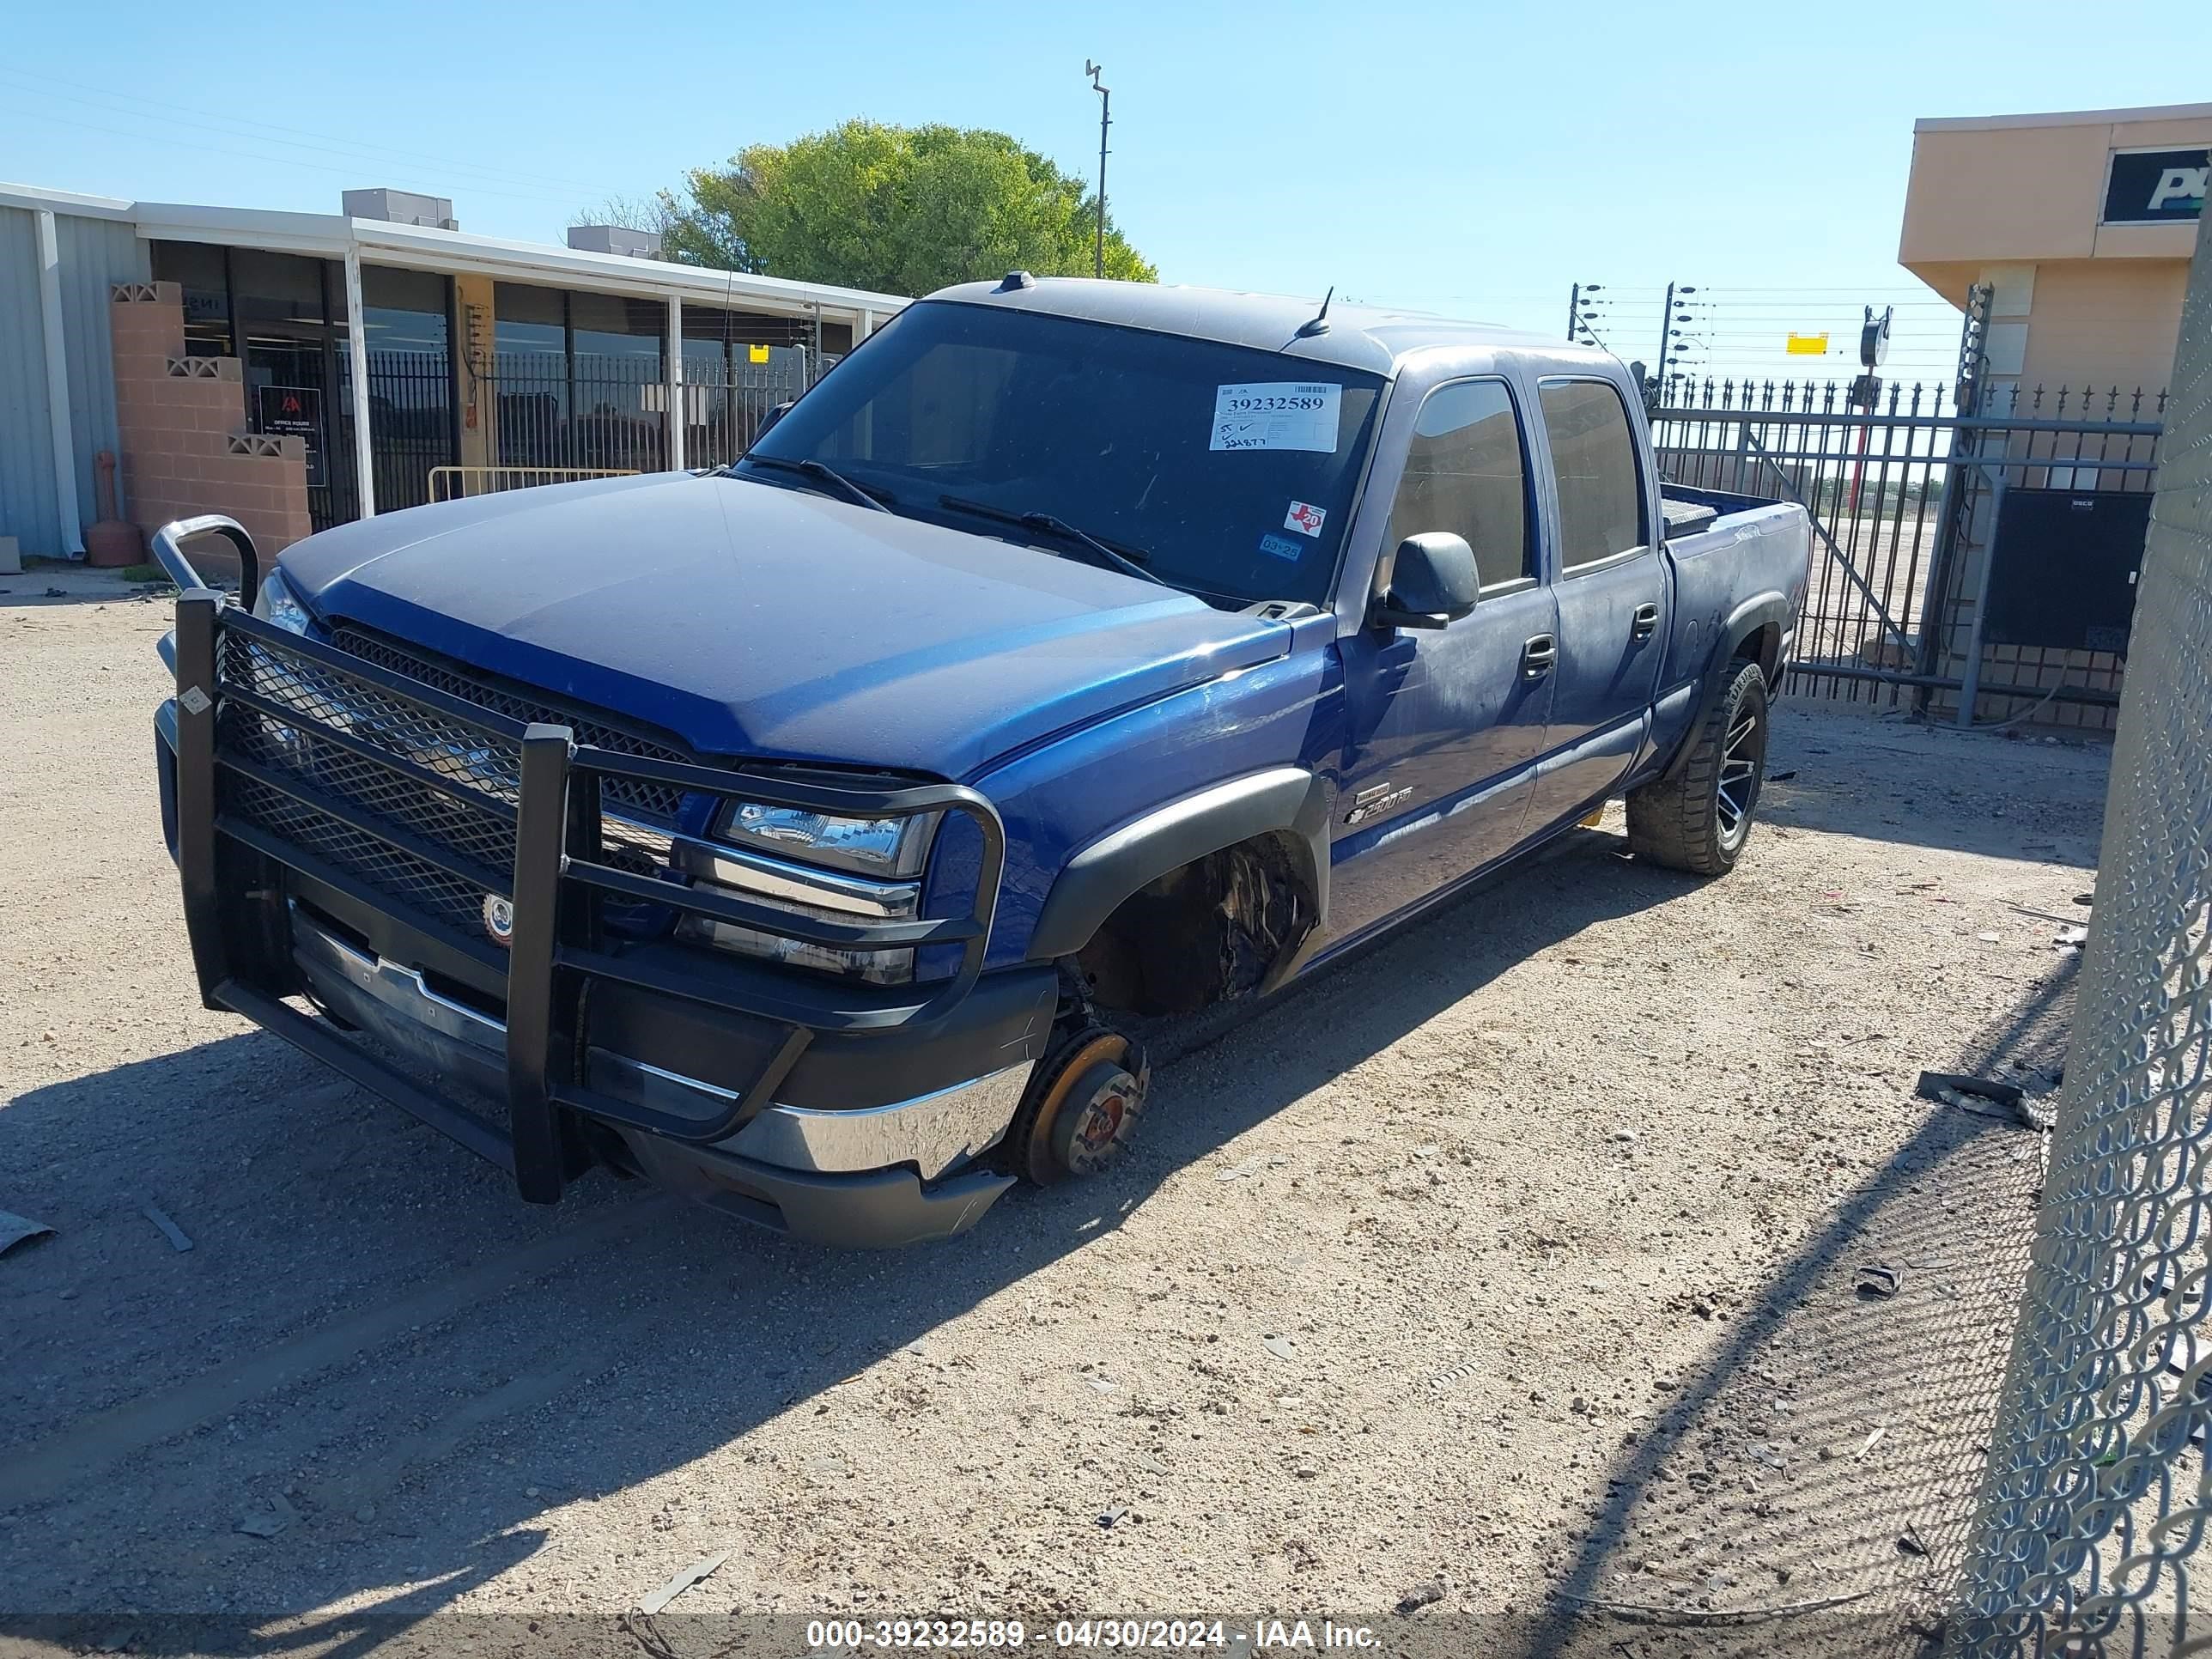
(1729, 554)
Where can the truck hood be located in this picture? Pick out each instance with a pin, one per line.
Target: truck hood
(747, 619)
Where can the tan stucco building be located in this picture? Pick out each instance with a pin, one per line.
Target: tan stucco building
(2082, 223)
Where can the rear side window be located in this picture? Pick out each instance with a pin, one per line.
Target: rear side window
(1464, 474)
(1594, 457)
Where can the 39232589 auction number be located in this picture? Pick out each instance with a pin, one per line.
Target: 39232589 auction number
(1272, 404)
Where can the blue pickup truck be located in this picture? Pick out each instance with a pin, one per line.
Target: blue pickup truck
(817, 835)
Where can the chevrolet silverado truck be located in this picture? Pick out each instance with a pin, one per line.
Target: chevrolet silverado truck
(816, 836)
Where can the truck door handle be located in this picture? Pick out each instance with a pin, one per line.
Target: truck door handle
(1646, 623)
(1538, 657)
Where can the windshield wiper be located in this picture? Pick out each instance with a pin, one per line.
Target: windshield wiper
(1101, 552)
(823, 473)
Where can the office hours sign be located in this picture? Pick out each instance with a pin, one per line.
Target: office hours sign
(295, 411)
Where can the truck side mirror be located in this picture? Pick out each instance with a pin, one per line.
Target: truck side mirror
(1433, 581)
(768, 420)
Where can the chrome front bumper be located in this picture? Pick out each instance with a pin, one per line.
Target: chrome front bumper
(934, 1133)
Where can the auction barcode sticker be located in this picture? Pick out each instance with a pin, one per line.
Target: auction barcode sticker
(1275, 415)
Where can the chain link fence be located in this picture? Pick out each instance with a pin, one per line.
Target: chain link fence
(2095, 1495)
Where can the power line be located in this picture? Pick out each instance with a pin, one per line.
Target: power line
(349, 172)
(491, 180)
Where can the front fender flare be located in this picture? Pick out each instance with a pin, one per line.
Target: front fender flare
(1287, 801)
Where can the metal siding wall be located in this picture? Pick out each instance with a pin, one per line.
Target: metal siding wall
(27, 466)
(95, 253)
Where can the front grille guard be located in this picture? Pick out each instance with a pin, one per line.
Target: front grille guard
(558, 880)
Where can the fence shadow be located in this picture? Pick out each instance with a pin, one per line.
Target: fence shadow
(1826, 1457)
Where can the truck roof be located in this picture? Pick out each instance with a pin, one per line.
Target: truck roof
(1369, 338)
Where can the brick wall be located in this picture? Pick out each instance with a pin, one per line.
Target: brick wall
(186, 448)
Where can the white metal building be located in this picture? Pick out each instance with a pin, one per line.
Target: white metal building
(389, 348)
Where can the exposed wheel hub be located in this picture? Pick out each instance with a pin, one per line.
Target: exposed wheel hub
(1101, 1108)
(1083, 1108)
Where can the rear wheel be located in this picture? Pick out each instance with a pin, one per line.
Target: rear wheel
(1700, 818)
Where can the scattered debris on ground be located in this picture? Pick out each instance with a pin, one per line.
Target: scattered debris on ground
(704, 1568)
(170, 1230)
(19, 1230)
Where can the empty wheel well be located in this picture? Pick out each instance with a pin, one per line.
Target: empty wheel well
(1206, 932)
(1763, 645)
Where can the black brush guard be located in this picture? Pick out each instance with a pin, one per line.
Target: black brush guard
(557, 884)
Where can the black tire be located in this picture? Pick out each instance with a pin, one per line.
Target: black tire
(1700, 818)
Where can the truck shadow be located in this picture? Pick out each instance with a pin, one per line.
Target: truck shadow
(409, 1440)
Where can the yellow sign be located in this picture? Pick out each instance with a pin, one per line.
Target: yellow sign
(759, 354)
(1809, 345)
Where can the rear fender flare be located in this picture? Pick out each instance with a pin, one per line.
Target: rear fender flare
(1747, 619)
(1285, 801)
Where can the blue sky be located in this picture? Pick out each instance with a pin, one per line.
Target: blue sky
(1461, 158)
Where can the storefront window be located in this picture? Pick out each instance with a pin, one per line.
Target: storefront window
(406, 321)
(405, 310)
(529, 320)
(627, 331)
(203, 272)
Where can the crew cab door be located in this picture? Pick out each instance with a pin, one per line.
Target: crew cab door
(1445, 725)
(1610, 581)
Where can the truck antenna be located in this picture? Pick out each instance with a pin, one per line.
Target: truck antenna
(1318, 322)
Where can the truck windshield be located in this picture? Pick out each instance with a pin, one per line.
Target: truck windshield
(1218, 469)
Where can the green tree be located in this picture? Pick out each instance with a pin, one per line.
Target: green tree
(897, 209)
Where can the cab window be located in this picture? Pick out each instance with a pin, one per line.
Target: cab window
(1466, 473)
(1601, 485)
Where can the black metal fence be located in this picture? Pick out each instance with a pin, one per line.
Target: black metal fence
(604, 413)
(1919, 595)
(597, 412)
(410, 430)
(727, 395)
(548, 414)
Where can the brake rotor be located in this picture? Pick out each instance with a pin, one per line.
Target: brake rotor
(1085, 1109)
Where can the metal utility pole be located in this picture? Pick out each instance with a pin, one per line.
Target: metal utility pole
(1105, 120)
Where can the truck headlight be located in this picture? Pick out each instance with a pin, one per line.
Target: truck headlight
(275, 604)
(875, 847)
(819, 864)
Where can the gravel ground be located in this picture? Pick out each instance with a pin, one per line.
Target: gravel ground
(1508, 1268)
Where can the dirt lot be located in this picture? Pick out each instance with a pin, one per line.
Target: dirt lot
(1511, 1265)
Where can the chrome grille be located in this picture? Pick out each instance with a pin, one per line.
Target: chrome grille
(457, 903)
(484, 760)
(450, 747)
(633, 796)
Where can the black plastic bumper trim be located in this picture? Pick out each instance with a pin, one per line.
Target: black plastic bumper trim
(882, 1209)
